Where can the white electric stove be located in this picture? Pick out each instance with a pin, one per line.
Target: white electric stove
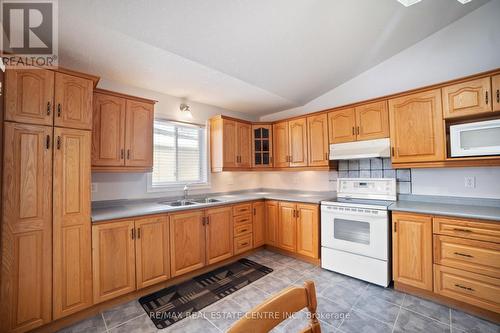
(355, 229)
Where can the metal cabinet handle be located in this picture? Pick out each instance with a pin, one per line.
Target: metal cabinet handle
(357, 130)
(326, 156)
(208, 219)
(498, 95)
(392, 151)
(254, 211)
(138, 233)
(486, 99)
(59, 109)
(128, 154)
(48, 108)
(464, 287)
(395, 227)
(203, 220)
(297, 214)
(463, 254)
(132, 233)
(353, 131)
(122, 154)
(58, 142)
(47, 142)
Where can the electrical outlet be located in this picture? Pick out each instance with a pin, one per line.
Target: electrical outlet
(93, 187)
(470, 182)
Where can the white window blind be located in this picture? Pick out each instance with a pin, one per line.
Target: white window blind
(179, 154)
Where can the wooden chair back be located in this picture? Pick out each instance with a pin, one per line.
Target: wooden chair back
(278, 308)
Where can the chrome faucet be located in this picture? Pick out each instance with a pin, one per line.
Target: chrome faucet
(186, 189)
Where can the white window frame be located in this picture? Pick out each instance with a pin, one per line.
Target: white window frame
(205, 158)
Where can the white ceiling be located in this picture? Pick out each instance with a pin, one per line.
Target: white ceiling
(252, 56)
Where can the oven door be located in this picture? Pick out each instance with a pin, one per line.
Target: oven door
(359, 231)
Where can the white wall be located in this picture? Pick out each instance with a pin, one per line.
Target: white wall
(467, 46)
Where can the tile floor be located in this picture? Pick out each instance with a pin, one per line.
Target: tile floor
(344, 305)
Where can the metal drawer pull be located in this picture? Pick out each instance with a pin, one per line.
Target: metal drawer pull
(463, 254)
(48, 108)
(462, 230)
(464, 287)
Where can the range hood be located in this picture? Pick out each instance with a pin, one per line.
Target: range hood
(360, 149)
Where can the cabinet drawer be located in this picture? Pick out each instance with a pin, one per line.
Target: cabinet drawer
(480, 230)
(471, 255)
(242, 219)
(242, 209)
(479, 290)
(242, 229)
(242, 243)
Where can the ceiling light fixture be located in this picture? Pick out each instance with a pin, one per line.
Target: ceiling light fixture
(408, 3)
(463, 2)
(186, 110)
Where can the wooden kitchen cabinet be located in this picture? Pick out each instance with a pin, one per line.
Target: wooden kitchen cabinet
(262, 148)
(281, 146)
(231, 144)
(317, 132)
(187, 242)
(113, 257)
(467, 98)
(108, 133)
(287, 226)
(308, 230)
(122, 133)
(259, 223)
(297, 130)
(219, 234)
(26, 271)
(73, 101)
(29, 96)
(271, 227)
(139, 134)
(72, 266)
(417, 127)
(412, 250)
(495, 85)
(152, 250)
(372, 121)
(342, 125)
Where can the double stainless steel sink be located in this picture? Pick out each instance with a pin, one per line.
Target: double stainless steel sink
(181, 203)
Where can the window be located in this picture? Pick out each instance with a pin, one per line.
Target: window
(179, 155)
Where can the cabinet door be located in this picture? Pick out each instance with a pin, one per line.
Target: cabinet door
(317, 130)
(271, 225)
(73, 101)
(467, 98)
(258, 220)
(281, 157)
(26, 271)
(152, 250)
(307, 230)
(113, 259)
(298, 142)
(372, 121)
(287, 231)
(417, 128)
(495, 80)
(139, 134)
(29, 96)
(412, 250)
(187, 242)
(72, 226)
(230, 142)
(262, 148)
(244, 145)
(108, 133)
(219, 234)
(341, 126)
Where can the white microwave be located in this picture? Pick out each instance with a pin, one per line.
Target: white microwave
(475, 139)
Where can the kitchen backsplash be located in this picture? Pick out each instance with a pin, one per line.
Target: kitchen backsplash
(376, 168)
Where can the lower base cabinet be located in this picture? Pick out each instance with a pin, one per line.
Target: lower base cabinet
(259, 223)
(308, 230)
(219, 234)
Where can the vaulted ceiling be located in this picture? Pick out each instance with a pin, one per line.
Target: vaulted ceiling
(252, 56)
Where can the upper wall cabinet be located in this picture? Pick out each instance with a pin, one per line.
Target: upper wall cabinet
(262, 149)
(73, 102)
(122, 133)
(342, 126)
(495, 82)
(45, 97)
(416, 127)
(230, 144)
(372, 121)
(317, 131)
(467, 98)
(297, 130)
(281, 156)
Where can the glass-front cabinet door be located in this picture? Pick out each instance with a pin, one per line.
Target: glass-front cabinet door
(262, 147)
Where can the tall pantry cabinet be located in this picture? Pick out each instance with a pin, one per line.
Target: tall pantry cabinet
(46, 248)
